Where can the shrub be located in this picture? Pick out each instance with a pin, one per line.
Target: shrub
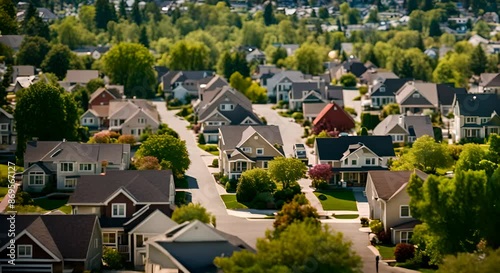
(279, 204)
(350, 111)
(231, 185)
(252, 182)
(363, 131)
(201, 139)
(404, 252)
(185, 111)
(215, 163)
(50, 187)
(357, 98)
(455, 151)
(174, 102)
(306, 132)
(126, 139)
(364, 221)
(320, 184)
(23, 199)
(190, 118)
(363, 90)
(4, 182)
(297, 116)
(263, 200)
(322, 197)
(306, 123)
(310, 141)
(224, 179)
(288, 193)
(376, 226)
(112, 258)
(264, 120)
(384, 237)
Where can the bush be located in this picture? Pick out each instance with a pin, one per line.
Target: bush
(215, 163)
(191, 118)
(455, 151)
(306, 133)
(357, 98)
(263, 200)
(279, 204)
(404, 252)
(224, 179)
(384, 237)
(376, 226)
(185, 111)
(174, 102)
(320, 184)
(288, 193)
(363, 90)
(23, 199)
(231, 185)
(297, 115)
(364, 221)
(475, 140)
(50, 187)
(201, 139)
(350, 111)
(369, 121)
(322, 197)
(112, 258)
(306, 123)
(310, 141)
(126, 139)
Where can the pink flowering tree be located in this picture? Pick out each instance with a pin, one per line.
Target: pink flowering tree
(320, 175)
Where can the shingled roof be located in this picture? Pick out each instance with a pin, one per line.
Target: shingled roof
(480, 105)
(388, 183)
(334, 148)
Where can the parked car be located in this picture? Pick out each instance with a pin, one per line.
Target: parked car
(299, 151)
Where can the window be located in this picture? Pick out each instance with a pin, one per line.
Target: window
(404, 212)
(136, 132)
(411, 139)
(471, 132)
(139, 241)
(36, 178)
(370, 161)
(109, 238)
(85, 167)
(397, 138)
(260, 151)
(346, 161)
(246, 149)
(118, 210)
(88, 120)
(470, 120)
(67, 167)
(382, 89)
(265, 164)
(416, 95)
(484, 120)
(406, 236)
(354, 162)
(493, 130)
(248, 121)
(141, 121)
(4, 127)
(225, 107)
(24, 251)
(70, 183)
(239, 166)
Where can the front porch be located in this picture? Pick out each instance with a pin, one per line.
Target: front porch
(236, 168)
(350, 179)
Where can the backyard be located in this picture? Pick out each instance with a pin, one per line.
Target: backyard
(231, 202)
(337, 200)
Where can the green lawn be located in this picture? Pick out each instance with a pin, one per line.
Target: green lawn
(338, 200)
(4, 170)
(3, 192)
(386, 251)
(52, 204)
(346, 216)
(231, 203)
(210, 148)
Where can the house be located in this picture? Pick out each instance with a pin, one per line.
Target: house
(63, 163)
(476, 115)
(126, 116)
(22, 71)
(489, 82)
(189, 80)
(12, 41)
(334, 118)
(490, 17)
(265, 72)
(416, 97)
(280, 84)
(97, 116)
(96, 52)
(160, 71)
(50, 243)
(8, 134)
(257, 56)
(352, 157)
(404, 129)
(335, 93)
(375, 75)
(22, 82)
(389, 201)
(190, 247)
(213, 83)
(224, 106)
(243, 148)
(103, 95)
(302, 93)
(46, 15)
(354, 66)
(80, 77)
(132, 207)
(383, 92)
(312, 110)
(476, 40)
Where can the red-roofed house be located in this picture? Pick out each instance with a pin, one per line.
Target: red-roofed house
(333, 118)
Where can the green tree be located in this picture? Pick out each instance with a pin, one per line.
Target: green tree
(294, 249)
(389, 109)
(471, 263)
(186, 55)
(104, 12)
(348, 80)
(36, 27)
(131, 65)
(279, 54)
(253, 182)
(426, 155)
(411, 6)
(191, 212)
(434, 28)
(482, 29)
(143, 38)
(256, 93)
(8, 20)
(478, 60)
(112, 258)
(323, 13)
(240, 83)
(231, 63)
(309, 59)
(373, 16)
(136, 15)
(363, 132)
(287, 170)
(94, 84)
(32, 51)
(167, 148)
(470, 157)
(73, 33)
(269, 18)
(298, 210)
(87, 16)
(43, 106)
(122, 9)
(57, 61)
(416, 21)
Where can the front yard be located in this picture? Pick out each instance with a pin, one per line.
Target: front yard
(52, 203)
(210, 148)
(3, 192)
(386, 251)
(231, 202)
(337, 200)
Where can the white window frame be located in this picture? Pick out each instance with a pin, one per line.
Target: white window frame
(401, 210)
(406, 236)
(85, 165)
(88, 121)
(141, 120)
(4, 127)
(411, 139)
(107, 242)
(73, 182)
(382, 89)
(118, 206)
(484, 120)
(35, 175)
(265, 164)
(246, 149)
(415, 95)
(259, 151)
(468, 132)
(470, 120)
(68, 164)
(25, 251)
(354, 162)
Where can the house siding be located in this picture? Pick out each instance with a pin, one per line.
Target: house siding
(38, 252)
(94, 124)
(94, 255)
(133, 123)
(102, 99)
(35, 188)
(120, 198)
(392, 210)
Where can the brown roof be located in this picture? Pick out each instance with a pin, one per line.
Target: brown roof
(388, 183)
(66, 236)
(101, 110)
(81, 76)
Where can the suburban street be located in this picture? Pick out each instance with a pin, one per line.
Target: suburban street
(204, 189)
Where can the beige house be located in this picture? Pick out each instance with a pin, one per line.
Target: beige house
(133, 117)
(390, 203)
(246, 147)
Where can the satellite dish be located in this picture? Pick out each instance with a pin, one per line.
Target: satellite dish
(332, 54)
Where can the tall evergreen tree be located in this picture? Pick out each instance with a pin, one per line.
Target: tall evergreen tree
(104, 12)
(143, 38)
(339, 25)
(269, 18)
(136, 13)
(411, 5)
(434, 28)
(29, 13)
(123, 9)
(478, 60)
(427, 5)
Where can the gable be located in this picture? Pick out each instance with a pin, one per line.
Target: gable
(215, 116)
(397, 129)
(313, 97)
(257, 141)
(155, 223)
(361, 152)
(38, 250)
(248, 120)
(134, 119)
(88, 114)
(198, 232)
(416, 98)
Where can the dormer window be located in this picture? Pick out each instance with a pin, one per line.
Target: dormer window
(226, 107)
(24, 251)
(416, 95)
(67, 167)
(382, 89)
(118, 210)
(470, 120)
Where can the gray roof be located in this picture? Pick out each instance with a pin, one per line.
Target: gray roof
(46, 14)
(334, 148)
(12, 41)
(313, 108)
(428, 94)
(413, 125)
(292, 75)
(489, 79)
(81, 76)
(225, 94)
(66, 236)
(371, 75)
(54, 151)
(299, 87)
(143, 186)
(232, 135)
(481, 105)
(446, 93)
(387, 183)
(391, 87)
(174, 76)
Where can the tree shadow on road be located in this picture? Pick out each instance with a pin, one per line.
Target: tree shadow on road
(192, 182)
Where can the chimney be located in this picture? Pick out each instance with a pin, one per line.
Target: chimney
(401, 121)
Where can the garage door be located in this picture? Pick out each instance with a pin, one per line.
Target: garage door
(31, 268)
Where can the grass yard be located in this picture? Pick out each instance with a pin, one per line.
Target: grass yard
(210, 148)
(3, 192)
(427, 270)
(231, 202)
(337, 200)
(386, 251)
(50, 203)
(4, 170)
(346, 216)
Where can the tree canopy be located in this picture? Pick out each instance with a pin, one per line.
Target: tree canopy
(253, 182)
(191, 212)
(286, 170)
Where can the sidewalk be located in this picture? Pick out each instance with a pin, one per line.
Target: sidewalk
(5, 201)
